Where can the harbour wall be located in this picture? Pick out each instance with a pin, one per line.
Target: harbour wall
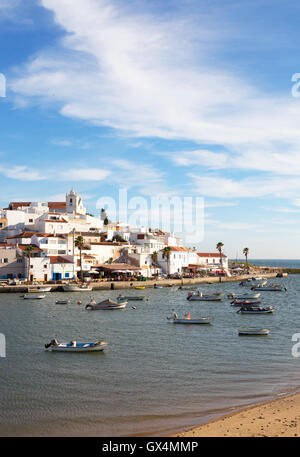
(106, 285)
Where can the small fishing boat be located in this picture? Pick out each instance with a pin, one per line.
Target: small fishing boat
(62, 302)
(199, 296)
(253, 309)
(133, 298)
(253, 331)
(74, 346)
(270, 288)
(246, 296)
(245, 302)
(250, 282)
(39, 289)
(187, 319)
(187, 288)
(157, 287)
(76, 288)
(33, 297)
(106, 304)
(140, 287)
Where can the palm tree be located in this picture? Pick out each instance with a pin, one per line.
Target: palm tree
(166, 254)
(219, 248)
(79, 243)
(246, 252)
(154, 259)
(28, 250)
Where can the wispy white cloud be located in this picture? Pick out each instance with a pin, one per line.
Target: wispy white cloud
(84, 174)
(251, 187)
(21, 172)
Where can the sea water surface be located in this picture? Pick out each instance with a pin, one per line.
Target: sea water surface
(155, 377)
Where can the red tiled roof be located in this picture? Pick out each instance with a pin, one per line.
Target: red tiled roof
(210, 254)
(177, 248)
(22, 235)
(15, 205)
(51, 205)
(24, 246)
(59, 259)
(62, 221)
(30, 234)
(57, 205)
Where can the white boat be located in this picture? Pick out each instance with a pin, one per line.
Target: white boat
(62, 302)
(33, 297)
(246, 296)
(187, 319)
(134, 298)
(270, 288)
(74, 346)
(39, 289)
(199, 296)
(76, 288)
(251, 282)
(253, 309)
(106, 304)
(254, 331)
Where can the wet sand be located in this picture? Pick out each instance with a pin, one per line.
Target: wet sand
(276, 418)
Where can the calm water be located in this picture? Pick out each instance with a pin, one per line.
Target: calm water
(155, 377)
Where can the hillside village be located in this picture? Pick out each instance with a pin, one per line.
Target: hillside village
(39, 242)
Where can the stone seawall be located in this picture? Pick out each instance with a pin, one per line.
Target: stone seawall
(149, 284)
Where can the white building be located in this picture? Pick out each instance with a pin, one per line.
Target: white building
(212, 260)
(179, 257)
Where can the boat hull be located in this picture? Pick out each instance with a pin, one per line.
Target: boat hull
(83, 347)
(254, 332)
(76, 289)
(34, 297)
(191, 321)
(198, 298)
(106, 307)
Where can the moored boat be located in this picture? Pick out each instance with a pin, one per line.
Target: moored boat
(199, 296)
(106, 304)
(188, 320)
(246, 296)
(133, 298)
(33, 297)
(62, 302)
(76, 288)
(244, 302)
(253, 309)
(270, 288)
(74, 346)
(254, 331)
(39, 289)
(140, 287)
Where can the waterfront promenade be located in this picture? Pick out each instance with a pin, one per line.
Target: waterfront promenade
(105, 285)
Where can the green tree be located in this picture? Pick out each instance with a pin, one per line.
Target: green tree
(79, 243)
(118, 238)
(166, 255)
(28, 251)
(219, 248)
(154, 256)
(246, 253)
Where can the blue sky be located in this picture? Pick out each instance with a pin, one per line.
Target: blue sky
(176, 98)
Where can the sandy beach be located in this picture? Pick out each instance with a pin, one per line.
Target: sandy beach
(276, 418)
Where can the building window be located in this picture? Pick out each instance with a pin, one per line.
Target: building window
(31, 220)
(5, 260)
(19, 260)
